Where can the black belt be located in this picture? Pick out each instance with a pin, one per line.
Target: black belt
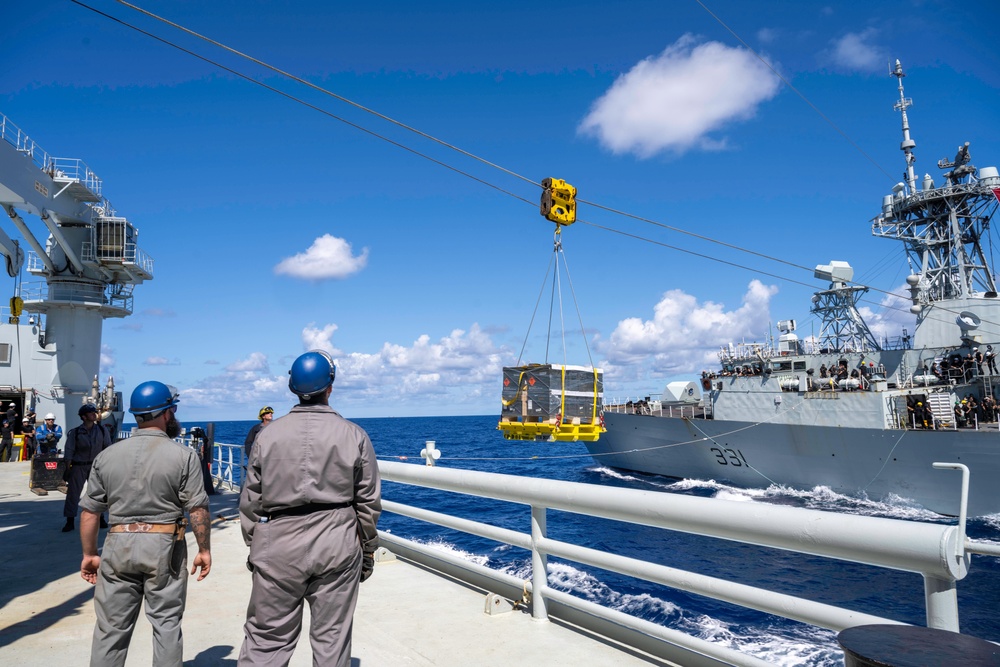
(309, 508)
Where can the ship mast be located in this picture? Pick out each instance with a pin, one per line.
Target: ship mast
(941, 227)
(908, 144)
(844, 330)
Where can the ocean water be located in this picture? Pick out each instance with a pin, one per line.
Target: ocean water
(474, 443)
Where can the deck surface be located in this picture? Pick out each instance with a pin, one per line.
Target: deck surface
(406, 615)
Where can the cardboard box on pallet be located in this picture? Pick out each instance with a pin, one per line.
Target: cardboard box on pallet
(534, 393)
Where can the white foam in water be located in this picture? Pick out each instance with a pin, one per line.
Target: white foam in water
(448, 547)
(794, 646)
(820, 497)
(991, 520)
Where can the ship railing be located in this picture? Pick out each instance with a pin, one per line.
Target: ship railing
(637, 406)
(112, 295)
(127, 253)
(937, 552)
(226, 466)
(71, 168)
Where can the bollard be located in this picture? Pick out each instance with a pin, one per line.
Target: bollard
(914, 646)
(430, 453)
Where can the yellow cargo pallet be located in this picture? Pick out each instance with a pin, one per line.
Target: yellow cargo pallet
(550, 431)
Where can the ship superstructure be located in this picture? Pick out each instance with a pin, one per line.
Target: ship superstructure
(87, 262)
(845, 409)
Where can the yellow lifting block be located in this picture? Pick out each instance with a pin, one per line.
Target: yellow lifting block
(559, 201)
(551, 431)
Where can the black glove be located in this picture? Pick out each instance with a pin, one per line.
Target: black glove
(66, 472)
(367, 565)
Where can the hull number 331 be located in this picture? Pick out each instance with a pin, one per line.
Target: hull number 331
(729, 457)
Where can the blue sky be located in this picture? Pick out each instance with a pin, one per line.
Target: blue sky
(276, 229)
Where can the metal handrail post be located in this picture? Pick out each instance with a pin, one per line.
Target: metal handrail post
(941, 600)
(539, 566)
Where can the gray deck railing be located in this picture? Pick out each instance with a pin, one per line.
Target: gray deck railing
(940, 553)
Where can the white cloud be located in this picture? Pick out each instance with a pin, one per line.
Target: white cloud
(244, 382)
(107, 359)
(461, 359)
(892, 316)
(458, 369)
(314, 338)
(855, 51)
(160, 361)
(673, 101)
(159, 312)
(683, 335)
(256, 362)
(767, 35)
(328, 257)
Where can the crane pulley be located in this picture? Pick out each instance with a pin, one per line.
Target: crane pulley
(548, 401)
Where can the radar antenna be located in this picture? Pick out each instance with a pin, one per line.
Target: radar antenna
(908, 144)
(844, 330)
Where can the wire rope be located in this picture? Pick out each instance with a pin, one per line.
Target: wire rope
(475, 178)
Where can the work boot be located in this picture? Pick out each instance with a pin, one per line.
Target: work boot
(104, 524)
(70, 525)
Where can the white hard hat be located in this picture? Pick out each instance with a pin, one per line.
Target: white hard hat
(50, 416)
(13, 404)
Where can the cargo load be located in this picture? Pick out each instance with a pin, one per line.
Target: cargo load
(549, 402)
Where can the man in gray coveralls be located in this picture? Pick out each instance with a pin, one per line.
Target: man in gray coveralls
(309, 510)
(145, 482)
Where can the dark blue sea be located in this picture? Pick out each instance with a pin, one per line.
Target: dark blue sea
(474, 443)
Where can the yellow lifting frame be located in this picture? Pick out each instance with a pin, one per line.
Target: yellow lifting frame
(555, 429)
(558, 205)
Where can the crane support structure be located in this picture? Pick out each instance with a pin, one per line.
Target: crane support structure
(87, 263)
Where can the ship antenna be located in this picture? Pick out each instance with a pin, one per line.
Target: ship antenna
(907, 144)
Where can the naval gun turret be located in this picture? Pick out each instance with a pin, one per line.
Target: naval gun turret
(87, 265)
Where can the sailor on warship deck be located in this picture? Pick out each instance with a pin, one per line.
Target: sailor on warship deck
(83, 444)
(145, 483)
(48, 436)
(309, 511)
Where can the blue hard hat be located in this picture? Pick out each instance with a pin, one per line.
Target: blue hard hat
(311, 373)
(152, 396)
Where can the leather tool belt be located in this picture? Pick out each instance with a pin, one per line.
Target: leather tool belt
(140, 527)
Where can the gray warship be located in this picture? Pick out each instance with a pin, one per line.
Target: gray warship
(844, 410)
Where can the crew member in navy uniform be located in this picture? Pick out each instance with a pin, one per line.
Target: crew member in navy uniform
(309, 511)
(83, 444)
(145, 483)
(991, 360)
